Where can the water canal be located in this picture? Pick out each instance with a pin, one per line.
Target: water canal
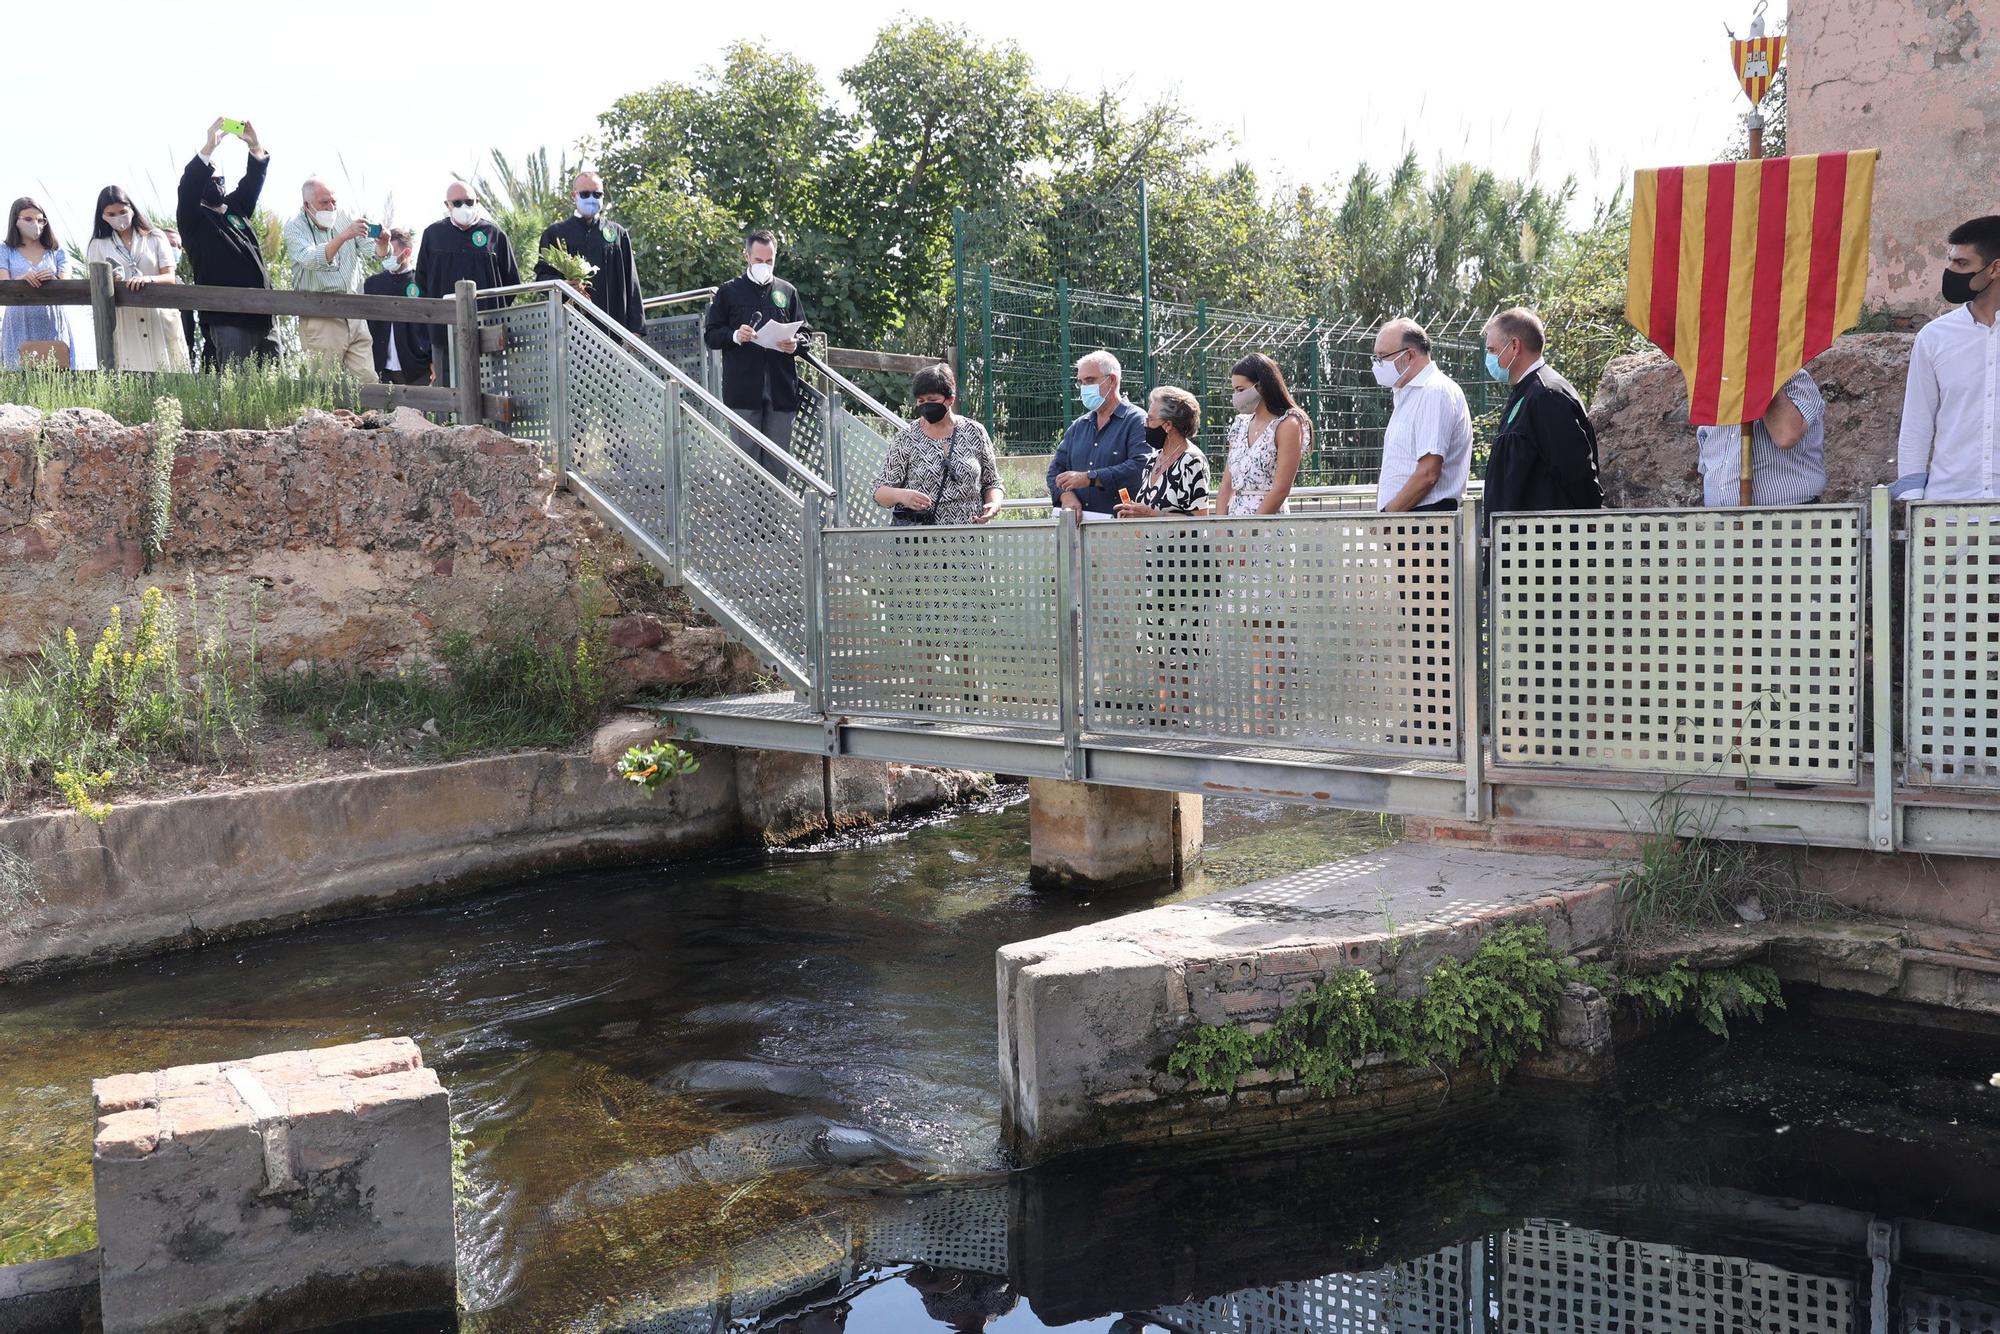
(760, 1092)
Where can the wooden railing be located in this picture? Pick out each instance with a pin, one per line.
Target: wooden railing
(105, 296)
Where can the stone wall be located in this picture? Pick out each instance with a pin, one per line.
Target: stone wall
(363, 541)
(1920, 80)
(1646, 446)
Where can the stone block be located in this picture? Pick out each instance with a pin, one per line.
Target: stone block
(258, 1195)
(1087, 834)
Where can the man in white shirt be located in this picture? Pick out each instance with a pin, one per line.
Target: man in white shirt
(1787, 451)
(325, 245)
(1427, 450)
(1950, 443)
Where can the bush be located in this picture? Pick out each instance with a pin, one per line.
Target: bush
(141, 694)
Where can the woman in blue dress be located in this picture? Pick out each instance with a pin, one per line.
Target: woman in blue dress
(30, 253)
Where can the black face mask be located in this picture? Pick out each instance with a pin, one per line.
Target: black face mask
(932, 412)
(1958, 287)
(211, 194)
(1156, 436)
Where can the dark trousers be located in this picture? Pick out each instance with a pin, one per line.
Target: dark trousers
(777, 428)
(420, 375)
(1449, 505)
(228, 344)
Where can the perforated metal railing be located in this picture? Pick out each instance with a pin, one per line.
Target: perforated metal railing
(1721, 642)
(614, 425)
(1951, 672)
(1330, 631)
(660, 457)
(1553, 1278)
(955, 623)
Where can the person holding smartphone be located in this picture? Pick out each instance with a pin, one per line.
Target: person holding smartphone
(327, 246)
(222, 245)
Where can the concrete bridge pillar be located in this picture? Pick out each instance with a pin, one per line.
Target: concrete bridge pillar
(1088, 835)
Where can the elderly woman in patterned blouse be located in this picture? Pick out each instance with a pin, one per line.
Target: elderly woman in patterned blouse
(1177, 483)
(940, 467)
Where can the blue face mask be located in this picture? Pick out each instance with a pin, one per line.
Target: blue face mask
(590, 208)
(1496, 370)
(1092, 395)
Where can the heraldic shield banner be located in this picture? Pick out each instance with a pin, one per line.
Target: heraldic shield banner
(1742, 272)
(1757, 62)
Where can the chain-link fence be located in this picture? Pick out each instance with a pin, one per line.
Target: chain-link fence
(1022, 341)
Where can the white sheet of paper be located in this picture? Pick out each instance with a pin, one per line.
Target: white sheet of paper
(772, 333)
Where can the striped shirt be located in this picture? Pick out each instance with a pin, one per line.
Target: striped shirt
(305, 243)
(1777, 476)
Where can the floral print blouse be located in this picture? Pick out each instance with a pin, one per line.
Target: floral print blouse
(916, 461)
(1253, 464)
(1180, 488)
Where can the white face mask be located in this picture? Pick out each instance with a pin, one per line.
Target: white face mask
(394, 262)
(1246, 399)
(1387, 372)
(120, 222)
(464, 214)
(325, 217)
(760, 274)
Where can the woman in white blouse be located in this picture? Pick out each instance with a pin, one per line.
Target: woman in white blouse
(139, 256)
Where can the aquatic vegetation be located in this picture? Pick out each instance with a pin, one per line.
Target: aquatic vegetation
(1713, 995)
(1497, 1007)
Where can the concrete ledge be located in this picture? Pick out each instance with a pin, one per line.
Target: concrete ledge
(189, 870)
(56, 1296)
(1088, 1016)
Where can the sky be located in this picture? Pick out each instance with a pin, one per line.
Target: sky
(1308, 91)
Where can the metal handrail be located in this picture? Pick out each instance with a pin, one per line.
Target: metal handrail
(1472, 488)
(674, 374)
(855, 392)
(675, 298)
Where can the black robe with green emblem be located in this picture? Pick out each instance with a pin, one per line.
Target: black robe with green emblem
(600, 241)
(449, 253)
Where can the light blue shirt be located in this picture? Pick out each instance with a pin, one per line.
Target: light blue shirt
(1777, 476)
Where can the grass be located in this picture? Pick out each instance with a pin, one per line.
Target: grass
(517, 690)
(1685, 877)
(244, 397)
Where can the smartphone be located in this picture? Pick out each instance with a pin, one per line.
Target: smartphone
(234, 127)
(374, 230)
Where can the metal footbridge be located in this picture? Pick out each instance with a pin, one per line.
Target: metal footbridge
(1739, 671)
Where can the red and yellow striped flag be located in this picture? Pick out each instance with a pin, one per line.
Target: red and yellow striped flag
(1742, 272)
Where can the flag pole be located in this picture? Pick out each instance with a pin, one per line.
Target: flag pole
(1756, 127)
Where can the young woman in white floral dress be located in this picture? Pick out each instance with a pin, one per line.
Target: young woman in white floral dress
(1266, 442)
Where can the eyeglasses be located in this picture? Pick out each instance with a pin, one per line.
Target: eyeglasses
(454, 203)
(590, 194)
(1378, 360)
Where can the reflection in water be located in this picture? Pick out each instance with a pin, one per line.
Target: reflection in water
(760, 1094)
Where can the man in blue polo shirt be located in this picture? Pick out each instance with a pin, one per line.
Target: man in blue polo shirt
(1105, 449)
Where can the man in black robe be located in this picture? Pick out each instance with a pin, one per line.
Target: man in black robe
(595, 239)
(1545, 455)
(219, 235)
(466, 243)
(760, 383)
(402, 350)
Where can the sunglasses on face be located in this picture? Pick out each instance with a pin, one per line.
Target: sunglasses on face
(454, 203)
(590, 194)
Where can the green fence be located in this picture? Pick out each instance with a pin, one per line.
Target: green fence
(1021, 341)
